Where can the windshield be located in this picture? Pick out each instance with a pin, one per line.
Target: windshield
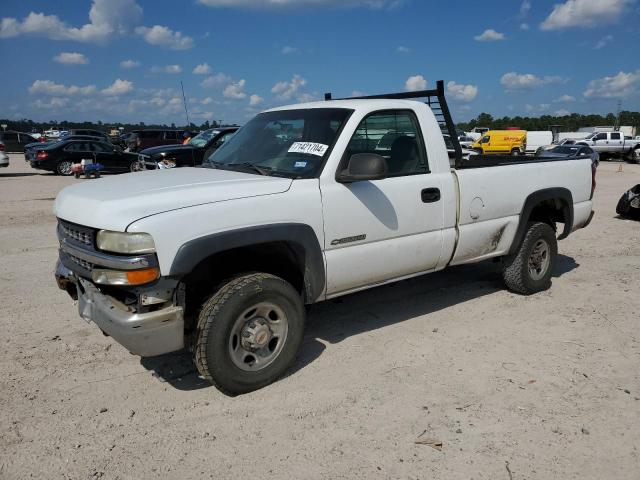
(290, 143)
(566, 150)
(203, 138)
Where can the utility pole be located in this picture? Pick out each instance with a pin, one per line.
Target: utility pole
(618, 114)
(184, 100)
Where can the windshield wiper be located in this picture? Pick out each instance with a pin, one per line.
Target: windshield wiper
(250, 166)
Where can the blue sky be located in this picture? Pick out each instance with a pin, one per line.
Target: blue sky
(123, 60)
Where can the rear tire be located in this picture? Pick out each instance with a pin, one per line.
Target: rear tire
(135, 166)
(634, 156)
(249, 333)
(529, 270)
(64, 168)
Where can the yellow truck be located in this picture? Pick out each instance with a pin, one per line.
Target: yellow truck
(506, 142)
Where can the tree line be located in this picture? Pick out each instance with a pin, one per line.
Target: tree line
(25, 125)
(569, 123)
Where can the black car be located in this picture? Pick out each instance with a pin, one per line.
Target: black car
(59, 157)
(15, 141)
(193, 153)
(39, 145)
(560, 151)
(141, 139)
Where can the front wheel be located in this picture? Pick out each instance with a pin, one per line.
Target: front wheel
(515, 152)
(249, 333)
(529, 270)
(65, 167)
(634, 156)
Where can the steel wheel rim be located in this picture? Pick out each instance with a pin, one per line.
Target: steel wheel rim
(258, 336)
(135, 167)
(539, 260)
(65, 168)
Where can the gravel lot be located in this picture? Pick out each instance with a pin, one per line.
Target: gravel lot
(514, 387)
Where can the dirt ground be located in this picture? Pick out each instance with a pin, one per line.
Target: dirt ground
(540, 387)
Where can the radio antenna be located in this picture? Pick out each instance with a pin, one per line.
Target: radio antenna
(184, 100)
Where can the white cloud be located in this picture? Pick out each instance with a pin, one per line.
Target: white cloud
(585, 13)
(255, 100)
(489, 35)
(288, 50)
(562, 113)
(618, 86)
(165, 37)
(215, 81)
(127, 64)
(403, 49)
(48, 87)
(603, 42)
(286, 90)
(206, 101)
(524, 26)
(173, 69)
(52, 104)
(106, 19)
(307, 97)
(565, 99)
(235, 90)
(465, 93)
(68, 58)
(202, 69)
(414, 83)
(157, 101)
(280, 4)
(525, 8)
(525, 81)
(118, 87)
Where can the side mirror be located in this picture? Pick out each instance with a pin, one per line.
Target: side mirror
(362, 167)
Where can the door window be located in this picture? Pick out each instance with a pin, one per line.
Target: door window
(486, 139)
(170, 135)
(77, 147)
(615, 136)
(100, 148)
(395, 135)
(10, 137)
(600, 136)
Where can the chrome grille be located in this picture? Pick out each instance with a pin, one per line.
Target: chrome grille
(80, 234)
(81, 263)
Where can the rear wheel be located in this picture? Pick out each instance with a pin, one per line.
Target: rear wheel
(249, 333)
(529, 270)
(64, 167)
(634, 155)
(135, 166)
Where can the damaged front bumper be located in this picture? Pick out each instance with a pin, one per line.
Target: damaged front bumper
(145, 334)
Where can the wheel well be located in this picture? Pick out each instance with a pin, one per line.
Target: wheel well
(549, 211)
(283, 259)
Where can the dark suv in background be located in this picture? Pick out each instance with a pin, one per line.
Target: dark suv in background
(88, 133)
(141, 139)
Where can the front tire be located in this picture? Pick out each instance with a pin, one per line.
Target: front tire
(135, 166)
(529, 270)
(249, 333)
(64, 168)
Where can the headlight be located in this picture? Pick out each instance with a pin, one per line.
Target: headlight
(123, 242)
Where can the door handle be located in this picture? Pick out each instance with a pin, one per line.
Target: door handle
(430, 195)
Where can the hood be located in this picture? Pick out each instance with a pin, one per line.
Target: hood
(112, 203)
(166, 149)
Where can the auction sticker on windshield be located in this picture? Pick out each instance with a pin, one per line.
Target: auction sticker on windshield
(310, 148)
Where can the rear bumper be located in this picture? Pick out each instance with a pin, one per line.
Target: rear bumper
(144, 334)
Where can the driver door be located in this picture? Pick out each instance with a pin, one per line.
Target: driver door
(386, 229)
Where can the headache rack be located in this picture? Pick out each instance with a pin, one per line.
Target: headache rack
(436, 101)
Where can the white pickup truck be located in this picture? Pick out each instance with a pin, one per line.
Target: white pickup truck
(305, 203)
(609, 144)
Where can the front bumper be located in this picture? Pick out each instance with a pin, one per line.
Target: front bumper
(144, 334)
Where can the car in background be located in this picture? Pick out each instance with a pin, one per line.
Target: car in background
(198, 150)
(86, 132)
(4, 158)
(59, 157)
(29, 148)
(570, 151)
(465, 141)
(142, 139)
(15, 141)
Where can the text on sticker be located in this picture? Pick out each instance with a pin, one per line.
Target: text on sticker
(310, 148)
